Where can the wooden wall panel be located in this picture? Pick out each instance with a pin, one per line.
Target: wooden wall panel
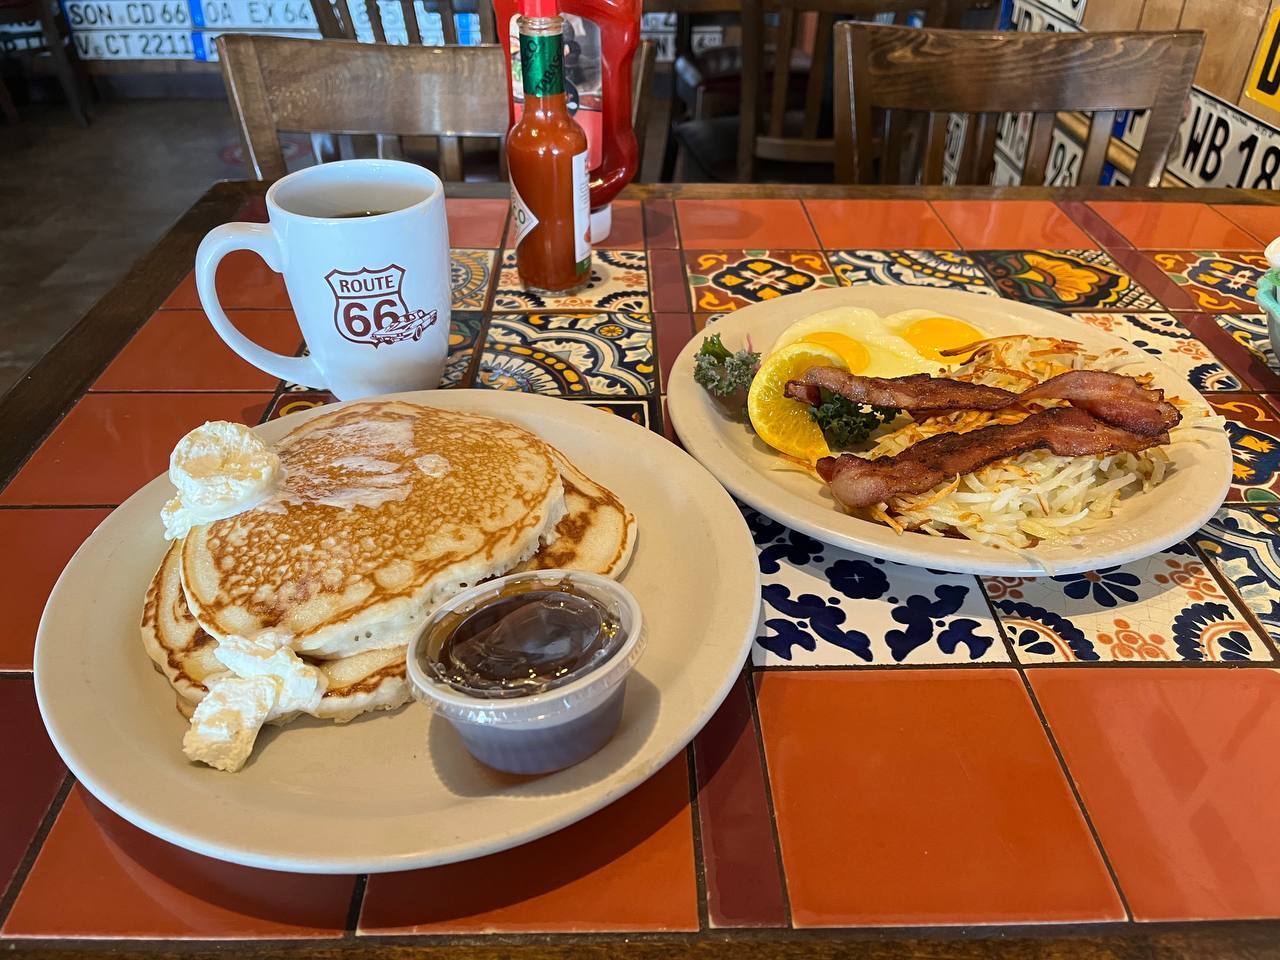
(1160, 14)
(1231, 36)
(1112, 15)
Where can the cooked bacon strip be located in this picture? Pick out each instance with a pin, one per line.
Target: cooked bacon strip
(916, 392)
(1067, 431)
(1112, 398)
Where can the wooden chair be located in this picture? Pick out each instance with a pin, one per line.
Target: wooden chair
(930, 73)
(335, 21)
(344, 87)
(792, 140)
(53, 37)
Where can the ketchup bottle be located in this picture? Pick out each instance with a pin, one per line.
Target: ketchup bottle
(547, 160)
(600, 38)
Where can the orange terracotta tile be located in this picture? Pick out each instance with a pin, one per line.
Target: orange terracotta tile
(244, 280)
(476, 223)
(1174, 226)
(628, 867)
(34, 547)
(180, 350)
(32, 769)
(878, 224)
(110, 444)
(929, 797)
(627, 232)
(1261, 221)
(1179, 772)
(712, 224)
(1011, 224)
(126, 883)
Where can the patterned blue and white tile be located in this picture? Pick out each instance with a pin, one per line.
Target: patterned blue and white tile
(598, 355)
(824, 606)
(1161, 335)
(469, 273)
(1167, 607)
(619, 281)
(1245, 546)
(629, 408)
(922, 268)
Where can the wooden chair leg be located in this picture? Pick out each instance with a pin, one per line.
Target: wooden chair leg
(62, 53)
(6, 104)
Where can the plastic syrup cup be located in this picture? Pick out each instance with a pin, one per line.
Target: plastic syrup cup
(545, 731)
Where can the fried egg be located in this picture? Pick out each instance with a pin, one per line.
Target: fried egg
(862, 339)
(929, 333)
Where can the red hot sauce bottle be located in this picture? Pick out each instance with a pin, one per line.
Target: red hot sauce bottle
(547, 159)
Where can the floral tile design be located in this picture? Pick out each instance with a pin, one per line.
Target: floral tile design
(731, 279)
(1065, 279)
(827, 606)
(297, 400)
(922, 268)
(469, 272)
(1225, 282)
(1166, 607)
(1250, 331)
(1245, 546)
(1160, 335)
(619, 281)
(635, 410)
(1254, 429)
(601, 355)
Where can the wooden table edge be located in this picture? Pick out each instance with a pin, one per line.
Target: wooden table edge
(1184, 940)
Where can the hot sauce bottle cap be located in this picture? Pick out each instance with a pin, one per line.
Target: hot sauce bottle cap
(539, 8)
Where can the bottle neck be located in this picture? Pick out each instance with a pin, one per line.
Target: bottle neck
(542, 64)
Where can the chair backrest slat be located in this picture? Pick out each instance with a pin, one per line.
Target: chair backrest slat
(449, 20)
(340, 86)
(374, 12)
(411, 22)
(1095, 147)
(981, 73)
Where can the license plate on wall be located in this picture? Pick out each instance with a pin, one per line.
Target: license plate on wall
(1219, 145)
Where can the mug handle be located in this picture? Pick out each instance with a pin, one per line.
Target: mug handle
(259, 238)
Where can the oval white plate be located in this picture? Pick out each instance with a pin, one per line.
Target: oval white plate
(1141, 526)
(399, 791)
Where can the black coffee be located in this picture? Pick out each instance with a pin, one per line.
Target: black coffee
(359, 213)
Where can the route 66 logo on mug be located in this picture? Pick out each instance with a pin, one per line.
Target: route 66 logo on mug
(364, 249)
(369, 306)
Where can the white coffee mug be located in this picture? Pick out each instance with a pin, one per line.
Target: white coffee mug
(364, 249)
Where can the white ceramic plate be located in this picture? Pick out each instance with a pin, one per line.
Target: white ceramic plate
(399, 791)
(1142, 525)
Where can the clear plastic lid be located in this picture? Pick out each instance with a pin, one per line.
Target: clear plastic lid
(580, 692)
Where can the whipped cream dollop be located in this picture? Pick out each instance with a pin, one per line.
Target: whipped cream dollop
(219, 469)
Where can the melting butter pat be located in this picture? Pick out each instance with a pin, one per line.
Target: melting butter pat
(219, 470)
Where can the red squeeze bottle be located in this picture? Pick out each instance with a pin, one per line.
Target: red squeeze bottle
(600, 38)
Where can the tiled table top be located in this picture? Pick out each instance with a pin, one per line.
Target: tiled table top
(905, 749)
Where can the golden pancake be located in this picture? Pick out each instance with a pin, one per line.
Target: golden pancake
(183, 652)
(597, 532)
(385, 509)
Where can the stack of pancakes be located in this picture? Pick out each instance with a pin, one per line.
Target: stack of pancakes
(385, 510)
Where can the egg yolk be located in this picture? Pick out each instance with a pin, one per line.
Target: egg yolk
(931, 335)
(854, 354)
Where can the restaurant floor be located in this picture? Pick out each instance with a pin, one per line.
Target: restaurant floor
(79, 205)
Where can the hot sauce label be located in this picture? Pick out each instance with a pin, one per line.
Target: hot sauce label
(521, 214)
(581, 211)
(541, 66)
(369, 306)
